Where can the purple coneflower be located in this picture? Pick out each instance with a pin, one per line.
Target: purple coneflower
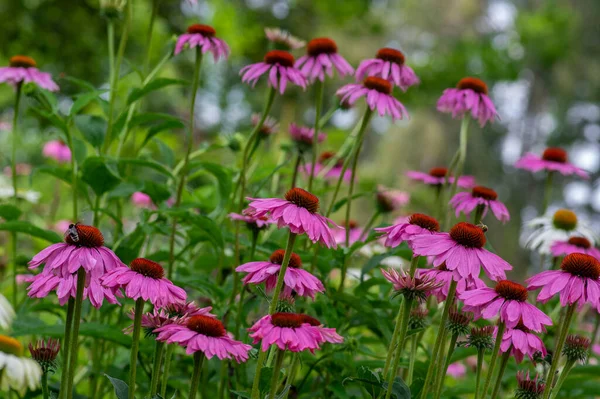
(552, 160)
(321, 58)
(469, 96)
(57, 150)
(279, 65)
(203, 36)
(437, 177)
(480, 199)
(388, 64)
(22, 69)
(378, 94)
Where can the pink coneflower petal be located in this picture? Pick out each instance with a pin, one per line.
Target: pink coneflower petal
(552, 160)
(203, 36)
(22, 69)
(470, 96)
(378, 95)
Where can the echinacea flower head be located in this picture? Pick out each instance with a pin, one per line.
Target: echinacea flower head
(572, 245)
(469, 96)
(284, 38)
(528, 388)
(481, 199)
(298, 212)
(458, 321)
(142, 200)
(388, 64)
(83, 247)
(17, 372)
(269, 127)
(57, 150)
(22, 69)
(204, 37)
(45, 352)
(145, 279)
(279, 65)
(7, 313)
(507, 300)
(292, 331)
(437, 177)
(416, 224)
(576, 348)
(522, 342)
(252, 222)
(295, 280)
(390, 200)
(378, 94)
(462, 250)
(553, 159)
(457, 370)
(481, 338)
(412, 288)
(322, 58)
(356, 233)
(542, 232)
(303, 136)
(326, 169)
(441, 273)
(418, 318)
(577, 281)
(176, 313)
(205, 334)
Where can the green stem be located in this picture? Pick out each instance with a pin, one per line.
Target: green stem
(296, 167)
(75, 333)
(361, 136)
(369, 225)
(460, 163)
(563, 376)
(280, 277)
(411, 359)
(594, 335)
(292, 375)
(319, 89)
(547, 192)
(198, 360)
(325, 118)
(480, 354)
(399, 346)
(275, 378)
(165, 376)
(503, 363)
(240, 309)
(66, 345)
(135, 345)
(13, 167)
(184, 170)
(45, 393)
(338, 185)
(492, 365)
(557, 352)
(222, 379)
(429, 378)
(73, 173)
(262, 355)
(116, 69)
(110, 37)
(446, 363)
(150, 32)
(478, 214)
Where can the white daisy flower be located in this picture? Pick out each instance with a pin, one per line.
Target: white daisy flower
(540, 233)
(7, 313)
(7, 192)
(17, 372)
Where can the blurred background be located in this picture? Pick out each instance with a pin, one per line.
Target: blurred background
(541, 60)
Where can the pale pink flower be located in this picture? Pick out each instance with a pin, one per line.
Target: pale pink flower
(61, 226)
(470, 96)
(390, 200)
(388, 64)
(178, 313)
(416, 224)
(57, 150)
(322, 58)
(145, 279)
(576, 244)
(205, 334)
(442, 274)
(303, 135)
(457, 370)
(252, 221)
(522, 341)
(22, 69)
(356, 233)
(295, 280)
(480, 197)
(142, 200)
(378, 95)
(332, 173)
(25, 278)
(298, 212)
(552, 160)
(269, 127)
(418, 287)
(437, 177)
(279, 65)
(203, 36)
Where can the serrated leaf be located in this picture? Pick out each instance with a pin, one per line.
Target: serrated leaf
(154, 85)
(19, 226)
(121, 387)
(9, 212)
(96, 173)
(92, 127)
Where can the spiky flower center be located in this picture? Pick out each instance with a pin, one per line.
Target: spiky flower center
(277, 258)
(418, 318)
(424, 221)
(391, 55)
(475, 84)
(321, 45)
(22, 61)
(468, 235)
(555, 154)
(147, 268)
(581, 265)
(580, 242)
(45, 352)
(287, 320)
(303, 199)
(457, 317)
(10, 345)
(280, 57)
(310, 320)
(438, 172)
(528, 388)
(204, 30)
(481, 337)
(378, 84)
(576, 347)
(84, 236)
(205, 325)
(511, 291)
(564, 219)
(484, 192)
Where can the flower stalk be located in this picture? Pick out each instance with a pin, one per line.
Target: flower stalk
(319, 90)
(74, 341)
(399, 345)
(66, 345)
(13, 168)
(198, 361)
(158, 355)
(503, 363)
(135, 345)
(460, 164)
(558, 350)
(276, 370)
(493, 360)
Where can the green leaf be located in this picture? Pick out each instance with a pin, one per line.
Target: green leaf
(399, 389)
(96, 173)
(158, 192)
(242, 395)
(154, 85)
(369, 379)
(51, 117)
(209, 226)
(266, 375)
(223, 178)
(148, 164)
(9, 212)
(153, 131)
(93, 128)
(343, 201)
(79, 82)
(83, 100)
(88, 329)
(121, 388)
(152, 118)
(18, 226)
(129, 248)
